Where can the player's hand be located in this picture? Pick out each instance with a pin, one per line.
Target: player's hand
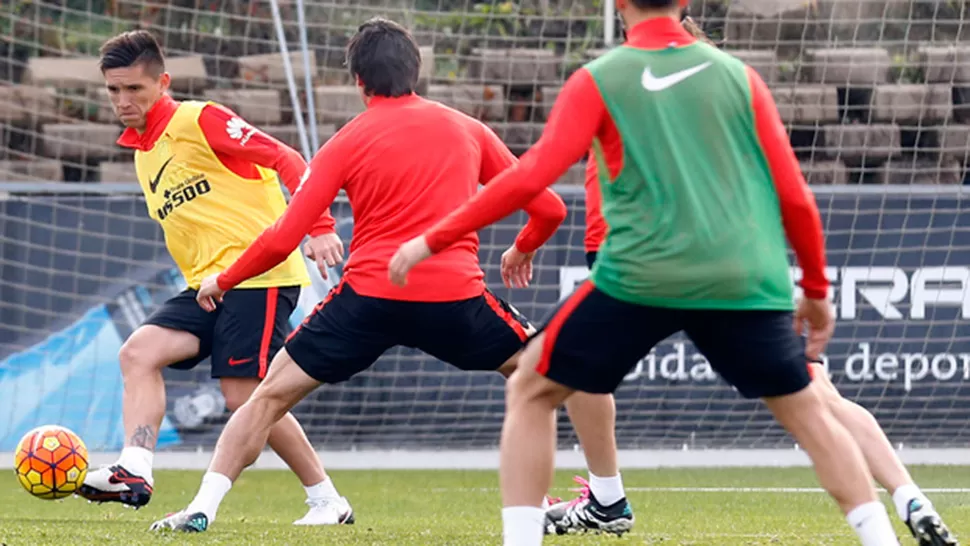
(209, 293)
(817, 314)
(326, 250)
(517, 267)
(409, 255)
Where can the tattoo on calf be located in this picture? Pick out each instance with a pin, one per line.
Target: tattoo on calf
(144, 436)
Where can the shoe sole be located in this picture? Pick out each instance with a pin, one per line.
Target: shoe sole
(616, 527)
(934, 533)
(130, 499)
(348, 519)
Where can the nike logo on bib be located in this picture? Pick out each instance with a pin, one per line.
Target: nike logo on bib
(653, 83)
(153, 184)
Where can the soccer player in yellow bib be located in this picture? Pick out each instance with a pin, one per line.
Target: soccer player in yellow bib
(210, 181)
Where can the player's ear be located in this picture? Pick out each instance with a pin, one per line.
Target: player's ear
(164, 81)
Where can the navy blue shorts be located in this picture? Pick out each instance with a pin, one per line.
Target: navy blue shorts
(348, 332)
(593, 340)
(241, 335)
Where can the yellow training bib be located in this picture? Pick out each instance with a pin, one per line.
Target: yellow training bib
(209, 214)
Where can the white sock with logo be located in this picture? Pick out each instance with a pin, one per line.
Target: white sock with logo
(213, 489)
(871, 522)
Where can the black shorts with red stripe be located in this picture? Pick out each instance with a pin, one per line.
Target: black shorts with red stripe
(593, 340)
(348, 332)
(241, 335)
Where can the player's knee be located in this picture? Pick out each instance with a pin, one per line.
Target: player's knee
(516, 389)
(151, 348)
(799, 412)
(270, 400)
(529, 387)
(237, 391)
(234, 400)
(509, 366)
(134, 359)
(826, 390)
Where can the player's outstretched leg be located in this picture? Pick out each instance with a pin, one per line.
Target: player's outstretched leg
(528, 448)
(602, 503)
(290, 442)
(242, 440)
(143, 356)
(911, 504)
(838, 461)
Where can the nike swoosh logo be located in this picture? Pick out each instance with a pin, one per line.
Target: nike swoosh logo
(653, 83)
(153, 185)
(239, 362)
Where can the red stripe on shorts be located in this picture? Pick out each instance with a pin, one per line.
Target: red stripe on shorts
(552, 329)
(506, 315)
(269, 324)
(317, 308)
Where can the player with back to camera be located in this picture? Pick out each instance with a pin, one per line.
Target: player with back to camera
(210, 180)
(912, 506)
(584, 513)
(699, 190)
(395, 192)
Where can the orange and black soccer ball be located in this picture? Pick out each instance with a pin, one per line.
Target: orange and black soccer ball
(51, 462)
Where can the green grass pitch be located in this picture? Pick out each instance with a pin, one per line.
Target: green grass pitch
(462, 508)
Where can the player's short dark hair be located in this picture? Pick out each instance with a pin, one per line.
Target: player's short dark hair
(644, 4)
(133, 48)
(385, 57)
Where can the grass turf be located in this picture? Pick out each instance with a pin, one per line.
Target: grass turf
(404, 508)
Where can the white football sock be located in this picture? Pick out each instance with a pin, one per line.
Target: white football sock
(322, 490)
(138, 461)
(906, 493)
(606, 490)
(213, 489)
(871, 523)
(522, 525)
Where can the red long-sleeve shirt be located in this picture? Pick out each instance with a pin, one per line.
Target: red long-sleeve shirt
(405, 164)
(596, 227)
(238, 155)
(579, 115)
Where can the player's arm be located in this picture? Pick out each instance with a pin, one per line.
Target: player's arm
(799, 212)
(595, 223)
(546, 212)
(262, 149)
(324, 179)
(573, 123)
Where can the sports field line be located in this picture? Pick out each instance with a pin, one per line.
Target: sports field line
(812, 490)
(769, 490)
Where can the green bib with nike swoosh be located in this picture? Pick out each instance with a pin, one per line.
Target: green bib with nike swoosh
(693, 215)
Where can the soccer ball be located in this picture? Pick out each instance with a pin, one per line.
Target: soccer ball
(51, 462)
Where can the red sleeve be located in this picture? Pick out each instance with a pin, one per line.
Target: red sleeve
(546, 212)
(257, 147)
(574, 121)
(595, 223)
(799, 212)
(324, 178)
